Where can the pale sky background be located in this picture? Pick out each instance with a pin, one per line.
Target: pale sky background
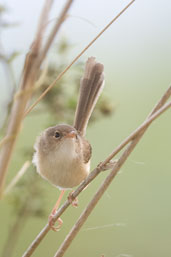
(138, 45)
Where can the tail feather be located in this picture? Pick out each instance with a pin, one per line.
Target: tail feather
(90, 88)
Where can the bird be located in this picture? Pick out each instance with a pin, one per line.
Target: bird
(62, 153)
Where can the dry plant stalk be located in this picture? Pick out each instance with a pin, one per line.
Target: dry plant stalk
(19, 174)
(30, 73)
(55, 29)
(133, 138)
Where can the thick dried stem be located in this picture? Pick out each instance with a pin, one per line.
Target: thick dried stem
(20, 102)
(55, 30)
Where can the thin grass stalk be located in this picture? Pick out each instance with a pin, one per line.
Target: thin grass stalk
(18, 176)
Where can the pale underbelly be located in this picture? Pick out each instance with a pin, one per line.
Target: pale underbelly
(64, 174)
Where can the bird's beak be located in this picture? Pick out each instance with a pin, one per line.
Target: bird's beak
(71, 134)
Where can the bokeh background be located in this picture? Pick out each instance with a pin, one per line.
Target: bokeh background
(134, 216)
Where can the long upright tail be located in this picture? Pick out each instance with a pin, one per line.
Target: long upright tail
(90, 88)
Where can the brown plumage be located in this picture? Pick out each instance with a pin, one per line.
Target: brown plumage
(62, 153)
(90, 88)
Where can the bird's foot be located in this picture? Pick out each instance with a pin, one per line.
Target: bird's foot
(107, 166)
(72, 200)
(52, 223)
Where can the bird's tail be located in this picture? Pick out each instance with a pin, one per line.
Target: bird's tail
(90, 89)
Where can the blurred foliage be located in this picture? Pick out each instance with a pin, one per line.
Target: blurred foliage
(25, 198)
(3, 23)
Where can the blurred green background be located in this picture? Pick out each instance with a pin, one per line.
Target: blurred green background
(134, 216)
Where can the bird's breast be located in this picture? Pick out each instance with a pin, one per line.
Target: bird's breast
(64, 167)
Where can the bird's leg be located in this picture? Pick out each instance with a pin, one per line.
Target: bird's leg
(72, 200)
(51, 216)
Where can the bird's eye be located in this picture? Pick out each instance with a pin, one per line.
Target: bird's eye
(57, 134)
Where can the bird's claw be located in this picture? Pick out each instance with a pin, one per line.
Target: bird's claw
(73, 201)
(52, 223)
(107, 166)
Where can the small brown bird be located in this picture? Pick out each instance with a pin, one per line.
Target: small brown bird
(62, 153)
